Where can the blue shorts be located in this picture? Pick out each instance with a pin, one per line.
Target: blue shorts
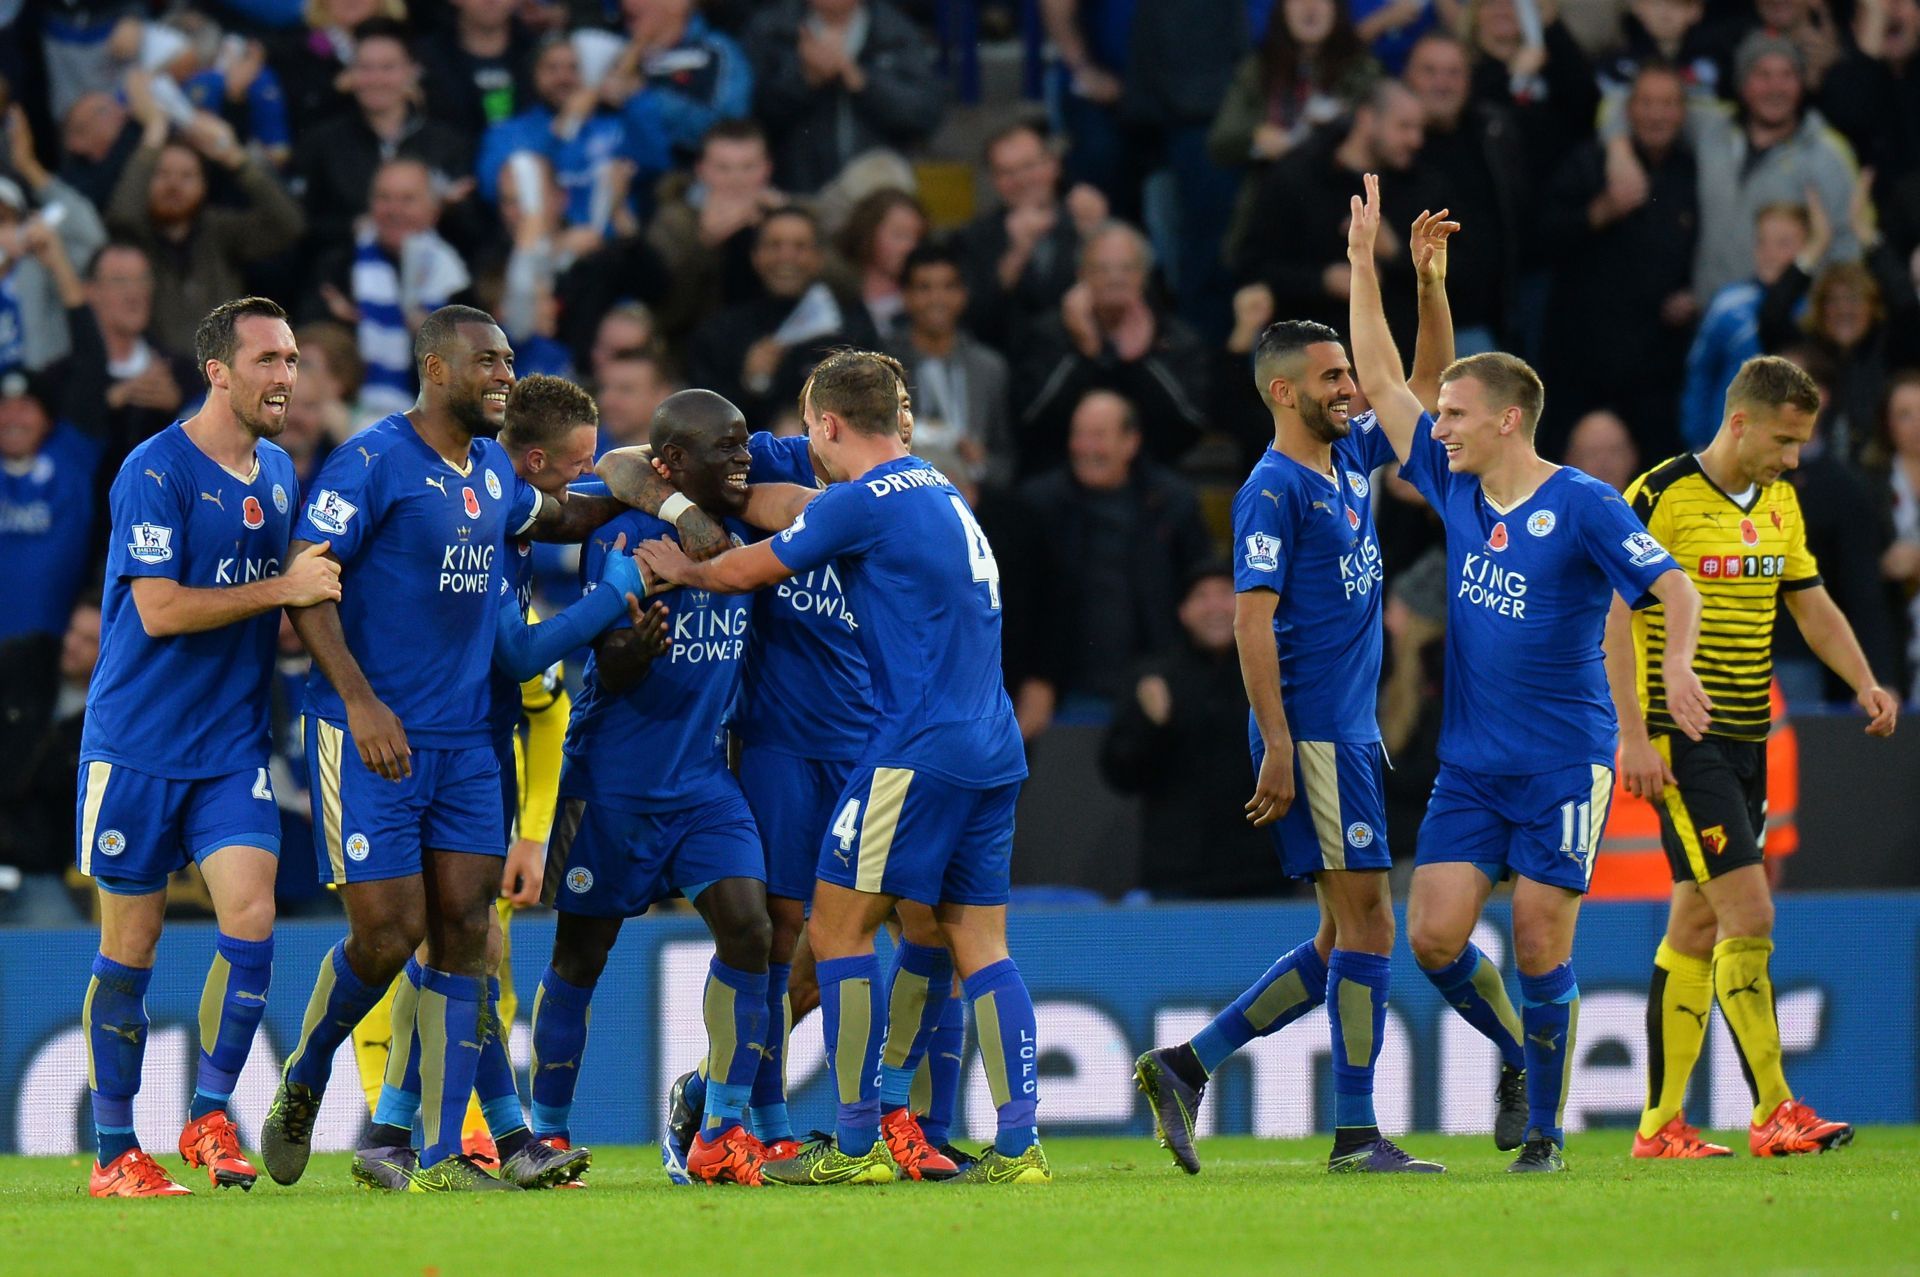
(366, 828)
(897, 832)
(793, 801)
(133, 829)
(606, 863)
(1339, 815)
(1545, 827)
(509, 783)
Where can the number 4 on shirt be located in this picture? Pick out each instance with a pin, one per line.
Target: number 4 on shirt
(979, 553)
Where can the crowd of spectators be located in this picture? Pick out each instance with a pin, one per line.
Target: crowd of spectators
(658, 193)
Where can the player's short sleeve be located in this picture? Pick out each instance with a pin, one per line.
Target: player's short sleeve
(1426, 464)
(835, 524)
(1630, 556)
(149, 513)
(779, 459)
(343, 503)
(1262, 534)
(1371, 442)
(1653, 513)
(527, 501)
(1803, 570)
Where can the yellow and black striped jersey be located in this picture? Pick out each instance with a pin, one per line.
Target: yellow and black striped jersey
(1739, 556)
(544, 712)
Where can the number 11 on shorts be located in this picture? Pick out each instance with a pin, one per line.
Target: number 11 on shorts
(1576, 820)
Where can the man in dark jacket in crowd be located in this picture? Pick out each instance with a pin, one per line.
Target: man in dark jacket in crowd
(1108, 335)
(1617, 330)
(1178, 739)
(1122, 533)
(833, 78)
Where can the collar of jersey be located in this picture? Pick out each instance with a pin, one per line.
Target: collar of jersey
(1753, 489)
(1508, 512)
(247, 478)
(1321, 475)
(433, 452)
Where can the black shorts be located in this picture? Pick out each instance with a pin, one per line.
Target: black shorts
(1714, 818)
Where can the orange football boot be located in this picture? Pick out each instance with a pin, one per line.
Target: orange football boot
(1795, 1128)
(133, 1174)
(213, 1143)
(1677, 1139)
(478, 1144)
(734, 1158)
(917, 1158)
(781, 1150)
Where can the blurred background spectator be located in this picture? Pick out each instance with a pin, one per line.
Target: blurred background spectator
(960, 385)
(1071, 235)
(1024, 255)
(881, 231)
(199, 252)
(1121, 533)
(1179, 740)
(757, 352)
(1108, 334)
(834, 78)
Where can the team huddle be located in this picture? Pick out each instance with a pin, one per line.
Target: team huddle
(792, 715)
(407, 579)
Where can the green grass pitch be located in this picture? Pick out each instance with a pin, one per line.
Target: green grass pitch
(1115, 1206)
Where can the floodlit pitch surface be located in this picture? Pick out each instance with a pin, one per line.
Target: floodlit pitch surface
(1115, 1206)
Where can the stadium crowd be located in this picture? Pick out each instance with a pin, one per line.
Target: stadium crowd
(653, 194)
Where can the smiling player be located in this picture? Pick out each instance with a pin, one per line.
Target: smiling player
(1535, 553)
(1307, 618)
(648, 810)
(174, 750)
(404, 777)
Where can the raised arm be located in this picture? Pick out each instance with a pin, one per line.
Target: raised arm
(631, 478)
(1376, 360)
(1433, 342)
(167, 607)
(1827, 632)
(1260, 670)
(377, 732)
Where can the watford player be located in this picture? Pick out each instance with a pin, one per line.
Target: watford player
(1731, 521)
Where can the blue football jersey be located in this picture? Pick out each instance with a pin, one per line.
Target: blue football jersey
(660, 746)
(1309, 538)
(1527, 596)
(46, 529)
(188, 705)
(806, 690)
(419, 543)
(920, 575)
